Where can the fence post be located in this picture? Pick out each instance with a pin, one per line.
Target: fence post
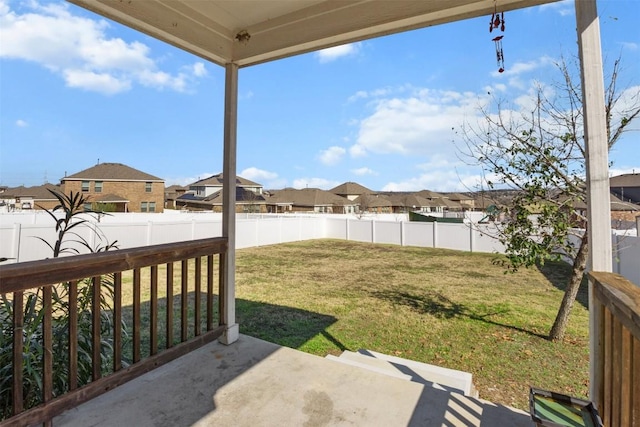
(17, 235)
(435, 234)
(401, 233)
(472, 236)
(149, 232)
(373, 231)
(347, 229)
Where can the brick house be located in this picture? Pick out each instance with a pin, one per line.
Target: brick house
(118, 187)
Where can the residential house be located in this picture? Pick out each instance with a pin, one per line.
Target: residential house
(24, 198)
(206, 194)
(466, 202)
(626, 187)
(403, 202)
(309, 200)
(171, 193)
(350, 190)
(373, 203)
(117, 187)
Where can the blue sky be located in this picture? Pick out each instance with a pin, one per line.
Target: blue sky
(76, 89)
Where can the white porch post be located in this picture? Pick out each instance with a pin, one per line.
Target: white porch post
(597, 168)
(228, 314)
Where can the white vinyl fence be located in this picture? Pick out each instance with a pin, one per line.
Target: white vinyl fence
(20, 236)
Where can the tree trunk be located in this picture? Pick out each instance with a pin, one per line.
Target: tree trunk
(579, 265)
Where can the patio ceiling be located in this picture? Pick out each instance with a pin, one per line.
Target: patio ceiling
(248, 32)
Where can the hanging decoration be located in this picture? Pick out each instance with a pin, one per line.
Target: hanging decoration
(497, 22)
(499, 53)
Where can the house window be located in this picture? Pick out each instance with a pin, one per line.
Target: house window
(85, 186)
(147, 187)
(152, 206)
(97, 187)
(87, 207)
(143, 207)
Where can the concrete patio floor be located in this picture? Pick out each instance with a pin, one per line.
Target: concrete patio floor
(256, 383)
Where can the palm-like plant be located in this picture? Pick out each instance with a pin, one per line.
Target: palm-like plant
(74, 215)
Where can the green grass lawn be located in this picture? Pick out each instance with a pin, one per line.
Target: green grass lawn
(449, 308)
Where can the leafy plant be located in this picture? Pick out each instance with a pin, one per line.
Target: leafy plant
(69, 241)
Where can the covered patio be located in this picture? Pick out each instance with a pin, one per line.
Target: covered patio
(258, 383)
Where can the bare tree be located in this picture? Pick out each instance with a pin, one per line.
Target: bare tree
(540, 151)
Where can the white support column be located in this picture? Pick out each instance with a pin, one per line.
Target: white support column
(231, 333)
(597, 168)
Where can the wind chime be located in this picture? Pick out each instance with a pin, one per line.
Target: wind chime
(497, 22)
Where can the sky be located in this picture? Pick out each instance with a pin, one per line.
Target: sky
(77, 89)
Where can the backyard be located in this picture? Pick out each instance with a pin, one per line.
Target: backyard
(450, 308)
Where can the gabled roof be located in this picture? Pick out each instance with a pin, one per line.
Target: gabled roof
(427, 194)
(112, 172)
(349, 189)
(626, 180)
(218, 180)
(308, 197)
(38, 192)
(408, 200)
(373, 201)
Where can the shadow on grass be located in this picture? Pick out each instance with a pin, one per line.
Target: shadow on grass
(286, 326)
(558, 274)
(439, 306)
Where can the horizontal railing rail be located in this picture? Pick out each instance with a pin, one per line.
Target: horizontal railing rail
(76, 327)
(619, 330)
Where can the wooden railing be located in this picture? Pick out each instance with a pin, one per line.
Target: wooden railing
(617, 369)
(93, 322)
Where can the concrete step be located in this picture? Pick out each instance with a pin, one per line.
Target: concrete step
(380, 370)
(449, 379)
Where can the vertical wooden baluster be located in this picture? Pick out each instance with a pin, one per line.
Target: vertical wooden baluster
(184, 300)
(221, 292)
(136, 315)
(18, 349)
(605, 408)
(169, 305)
(47, 362)
(209, 292)
(154, 310)
(635, 381)
(617, 373)
(198, 282)
(73, 335)
(626, 345)
(117, 321)
(96, 364)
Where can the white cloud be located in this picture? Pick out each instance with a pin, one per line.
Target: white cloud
(332, 155)
(629, 45)
(321, 183)
(21, 123)
(333, 53)
(439, 180)
(418, 124)
(82, 53)
(519, 68)
(363, 171)
(563, 8)
(255, 174)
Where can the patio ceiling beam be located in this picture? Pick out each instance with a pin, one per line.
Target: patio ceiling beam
(597, 168)
(276, 29)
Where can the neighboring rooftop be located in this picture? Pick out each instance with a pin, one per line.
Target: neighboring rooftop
(112, 172)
